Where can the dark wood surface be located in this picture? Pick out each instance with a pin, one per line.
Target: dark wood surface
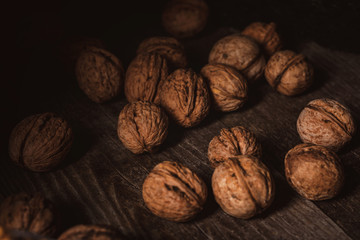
(101, 181)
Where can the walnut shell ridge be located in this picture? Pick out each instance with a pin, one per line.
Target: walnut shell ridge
(243, 186)
(265, 35)
(142, 127)
(240, 52)
(327, 123)
(40, 142)
(233, 142)
(90, 232)
(32, 213)
(143, 77)
(99, 74)
(174, 192)
(168, 47)
(185, 97)
(227, 86)
(289, 73)
(315, 172)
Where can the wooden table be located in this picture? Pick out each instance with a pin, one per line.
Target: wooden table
(101, 181)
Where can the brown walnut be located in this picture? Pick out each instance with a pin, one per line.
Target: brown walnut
(315, 172)
(168, 47)
(289, 73)
(240, 52)
(143, 77)
(40, 142)
(233, 142)
(185, 18)
(265, 35)
(174, 192)
(142, 127)
(91, 232)
(99, 74)
(243, 186)
(185, 96)
(227, 86)
(32, 213)
(327, 123)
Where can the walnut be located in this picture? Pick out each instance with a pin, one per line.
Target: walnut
(170, 48)
(143, 76)
(233, 142)
(265, 35)
(40, 142)
(174, 192)
(314, 172)
(227, 86)
(142, 127)
(327, 123)
(91, 232)
(185, 18)
(289, 73)
(99, 74)
(185, 96)
(243, 186)
(32, 213)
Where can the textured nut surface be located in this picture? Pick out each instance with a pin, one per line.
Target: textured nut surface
(142, 127)
(185, 18)
(168, 47)
(40, 142)
(265, 35)
(240, 52)
(143, 77)
(233, 142)
(99, 74)
(289, 73)
(314, 171)
(185, 97)
(174, 192)
(32, 213)
(327, 123)
(90, 232)
(243, 186)
(227, 86)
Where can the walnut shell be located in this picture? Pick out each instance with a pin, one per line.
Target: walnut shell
(243, 186)
(40, 142)
(174, 192)
(168, 47)
(142, 127)
(90, 232)
(99, 74)
(227, 86)
(240, 52)
(314, 171)
(185, 18)
(233, 142)
(32, 213)
(143, 76)
(289, 73)
(185, 96)
(327, 123)
(265, 35)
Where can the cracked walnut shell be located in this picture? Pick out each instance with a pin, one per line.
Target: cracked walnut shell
(233, 142)
(243, 186)
(327, 123)
(174, 192)
(142, 127)
(90, 232)
(227, 86)
(99, 74)
(315, 172)
(185, 97)
(40, 142)
(32, 213)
